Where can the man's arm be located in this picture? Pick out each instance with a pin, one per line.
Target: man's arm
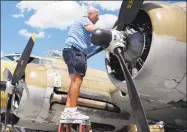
(93, 49)
(96, 50)
(90, 28)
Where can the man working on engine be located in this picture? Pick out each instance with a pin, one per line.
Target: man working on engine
(74, 54)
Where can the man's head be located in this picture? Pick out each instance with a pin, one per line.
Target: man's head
(93, 14)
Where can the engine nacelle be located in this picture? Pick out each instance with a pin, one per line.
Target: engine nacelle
(161, 65)
(34, 102)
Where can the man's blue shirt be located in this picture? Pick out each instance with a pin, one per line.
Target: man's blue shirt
(78, 36)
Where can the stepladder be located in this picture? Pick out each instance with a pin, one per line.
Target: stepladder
(74, 126)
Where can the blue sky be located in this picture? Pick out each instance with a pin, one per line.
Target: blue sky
(50, 21)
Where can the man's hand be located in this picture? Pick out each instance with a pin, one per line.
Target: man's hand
(117, 41)
(9, 87)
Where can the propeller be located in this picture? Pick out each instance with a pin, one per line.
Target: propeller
(128, 12)
(20, 68)
(17, 75)
(137, 109)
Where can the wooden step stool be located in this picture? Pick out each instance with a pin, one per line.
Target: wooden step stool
(66, 125)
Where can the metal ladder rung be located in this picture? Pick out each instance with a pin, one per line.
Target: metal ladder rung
(65, 126)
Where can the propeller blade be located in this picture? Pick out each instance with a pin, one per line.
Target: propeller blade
(7, 75)
(137, 109)
(128, 12)
(20, 68)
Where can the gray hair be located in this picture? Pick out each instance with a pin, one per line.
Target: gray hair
(91, 9)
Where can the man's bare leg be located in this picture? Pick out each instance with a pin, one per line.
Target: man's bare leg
(73, 93)
(70, 111)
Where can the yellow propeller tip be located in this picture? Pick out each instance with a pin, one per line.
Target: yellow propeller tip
(33, 37)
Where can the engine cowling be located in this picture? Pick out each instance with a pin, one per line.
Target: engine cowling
(33, 100)
(161, 66)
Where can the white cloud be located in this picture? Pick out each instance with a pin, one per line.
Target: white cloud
(105, 5)
(60, 14)
(40, 35)
(109, 5)
(24, 32)
(106, 21)
(32, 5)
(18, 15)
